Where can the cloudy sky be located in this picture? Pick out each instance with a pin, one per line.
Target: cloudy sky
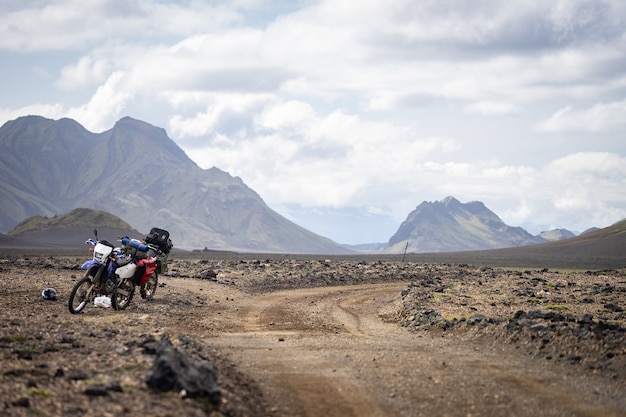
(344, 115)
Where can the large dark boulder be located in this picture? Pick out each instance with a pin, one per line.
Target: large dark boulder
(172, 370)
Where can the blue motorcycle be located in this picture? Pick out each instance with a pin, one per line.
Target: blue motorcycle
(108, 273)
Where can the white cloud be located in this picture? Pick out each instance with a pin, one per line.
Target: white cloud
(292, 116)
(587, 178)
(292, 154)
(309, 53)
(105, 107)
(74, 24)
(576, 191)
(599, 117)
(85, 72)
(50, 111)
(491, 107)
(214, 111)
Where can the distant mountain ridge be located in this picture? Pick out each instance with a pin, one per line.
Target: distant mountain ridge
(556, 234)
(449, 225)
(136, 172)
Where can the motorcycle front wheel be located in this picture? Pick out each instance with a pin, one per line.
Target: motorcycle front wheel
(122, 296)
(81, 294)
(148, 289)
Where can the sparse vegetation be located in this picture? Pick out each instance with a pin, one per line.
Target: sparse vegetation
(75, 218)
(556, 307)
(38, 392)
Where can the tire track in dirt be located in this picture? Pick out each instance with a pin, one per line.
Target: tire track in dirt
(287, 344)
(326, 351)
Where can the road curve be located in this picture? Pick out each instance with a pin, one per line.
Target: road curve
(330, 352)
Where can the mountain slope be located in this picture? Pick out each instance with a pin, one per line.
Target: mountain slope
(30, 151)
(7, 241)
(448, 225)
(596, 250)
(607, 242)
(135, 171)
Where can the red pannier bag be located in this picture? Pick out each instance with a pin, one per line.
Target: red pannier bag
(147, 266)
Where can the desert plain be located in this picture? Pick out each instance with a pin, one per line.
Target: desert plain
(297, 335)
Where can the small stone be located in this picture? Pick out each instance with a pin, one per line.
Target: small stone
(96, 392)
(22, 402)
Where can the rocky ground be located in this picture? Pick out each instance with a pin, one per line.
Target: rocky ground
(95, 363)
(571, 317)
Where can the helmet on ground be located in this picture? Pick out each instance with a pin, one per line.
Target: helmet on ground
(49, 294)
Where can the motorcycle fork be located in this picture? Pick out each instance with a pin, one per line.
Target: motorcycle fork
(97, 282)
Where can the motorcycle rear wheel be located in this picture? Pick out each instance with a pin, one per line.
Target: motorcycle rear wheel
(81, 294)
(123, 295)
(148, 289)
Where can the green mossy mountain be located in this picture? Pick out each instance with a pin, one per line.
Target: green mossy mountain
(70, 230)
(77, 217)
(136, 172)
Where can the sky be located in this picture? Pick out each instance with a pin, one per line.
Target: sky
(344, 115)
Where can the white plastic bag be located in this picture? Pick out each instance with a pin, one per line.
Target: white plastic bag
(102, 301)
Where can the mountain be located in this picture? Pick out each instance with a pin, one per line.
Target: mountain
(72, 229)
(136, 172)
(449, 225)
(556, 234)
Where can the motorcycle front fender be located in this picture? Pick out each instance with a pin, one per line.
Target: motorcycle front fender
(110, 270)
(90, 264)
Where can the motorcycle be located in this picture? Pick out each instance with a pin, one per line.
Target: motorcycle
(115, 271)
(108, 273)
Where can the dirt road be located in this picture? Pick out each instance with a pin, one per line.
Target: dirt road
(324, 351)
(330, 352)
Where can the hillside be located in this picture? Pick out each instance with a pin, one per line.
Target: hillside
(7, 241)
(76, 218)
(72, 229)
(136, 172)
(600, 249)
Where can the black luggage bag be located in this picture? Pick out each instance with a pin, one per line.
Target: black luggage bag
(161, 239)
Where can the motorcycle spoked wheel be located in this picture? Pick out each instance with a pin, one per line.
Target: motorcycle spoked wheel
(123, 295)
(148, 289)
(81, 294)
